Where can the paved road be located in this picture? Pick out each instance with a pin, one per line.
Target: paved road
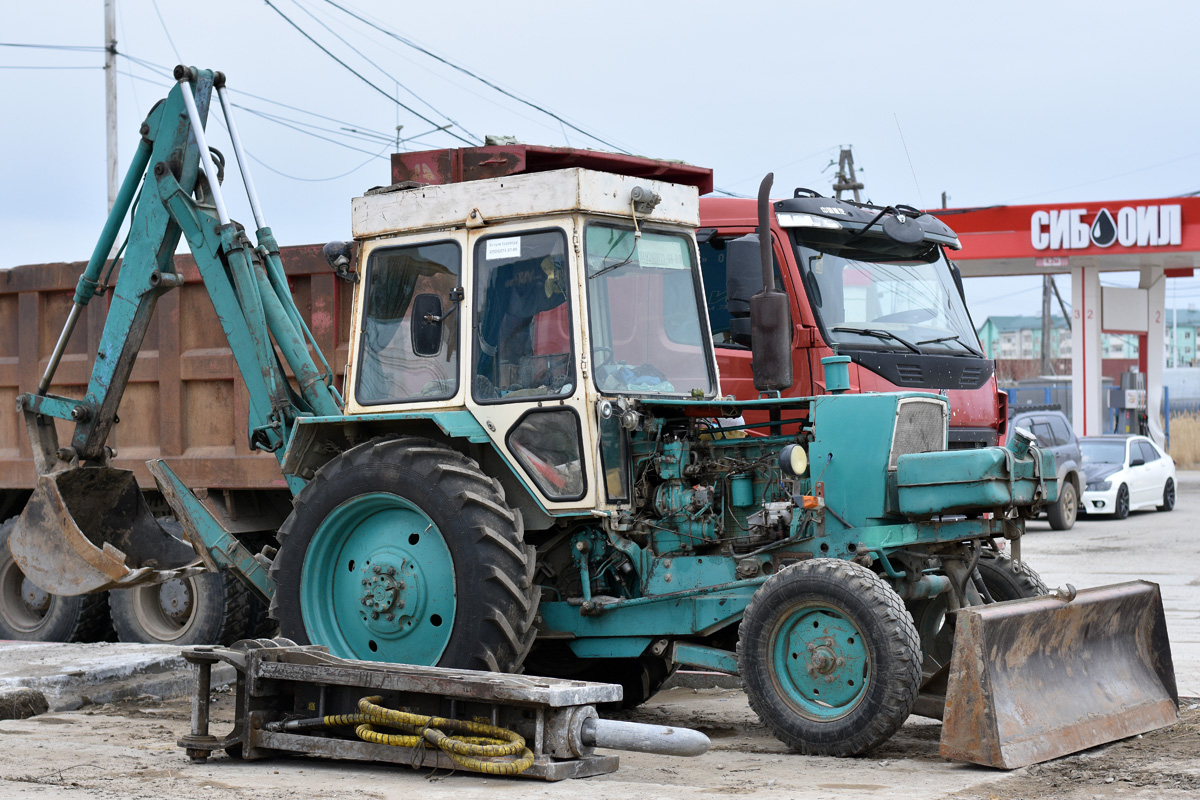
(1155, 546)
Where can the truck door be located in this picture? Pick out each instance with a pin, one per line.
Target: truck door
(523, 383)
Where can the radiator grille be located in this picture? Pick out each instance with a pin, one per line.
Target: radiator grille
(920, 428)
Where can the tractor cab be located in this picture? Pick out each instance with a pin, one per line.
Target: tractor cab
(528, 302)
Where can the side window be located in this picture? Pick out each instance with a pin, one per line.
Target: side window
(547, 444)
(1041, 429)
(1061, 432)
(522, 317)
(409, 348)
(1148, 452)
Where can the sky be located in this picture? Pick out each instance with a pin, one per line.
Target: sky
(991, 103)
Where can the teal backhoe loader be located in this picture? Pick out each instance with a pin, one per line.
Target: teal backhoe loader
(531, 466)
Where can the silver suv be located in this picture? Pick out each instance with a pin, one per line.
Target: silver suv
(1053, 430)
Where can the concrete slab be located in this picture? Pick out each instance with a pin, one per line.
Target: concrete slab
(70, 675)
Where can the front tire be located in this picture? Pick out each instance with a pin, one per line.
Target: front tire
(640, 678)
(402, 550)
(1121, 506)
(829, 657)
(30, 614)
(1168, 502)
(1064, 512)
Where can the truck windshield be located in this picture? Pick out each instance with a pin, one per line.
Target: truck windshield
(644, 313)
(871, 301)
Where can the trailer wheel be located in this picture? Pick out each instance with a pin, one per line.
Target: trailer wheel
(27, 613)
(829, 657)
(402, 550)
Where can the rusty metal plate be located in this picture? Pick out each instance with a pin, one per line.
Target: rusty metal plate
(1031, 680)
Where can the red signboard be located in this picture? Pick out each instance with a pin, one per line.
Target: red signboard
(1053, 233)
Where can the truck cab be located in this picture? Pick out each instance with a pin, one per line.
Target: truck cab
(895, 307)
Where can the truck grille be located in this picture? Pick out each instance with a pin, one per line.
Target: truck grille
(920, 428)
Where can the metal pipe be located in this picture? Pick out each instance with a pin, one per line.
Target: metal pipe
(59, 348)
(764, 231)
(641, 738)
(210, 171)
(243, 167)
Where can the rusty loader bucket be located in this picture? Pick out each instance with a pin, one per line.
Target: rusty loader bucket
(1035, 679)
(89, 530)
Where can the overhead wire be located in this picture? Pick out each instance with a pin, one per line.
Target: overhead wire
(358, 74)
(398, 83)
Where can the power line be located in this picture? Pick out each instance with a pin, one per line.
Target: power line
(469, 73)
(22, 67)
(364, 57)
(359, 75)
(269, 168)
(170, 41)
(75, 47)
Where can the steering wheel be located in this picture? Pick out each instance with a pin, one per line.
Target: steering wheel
(909, 316)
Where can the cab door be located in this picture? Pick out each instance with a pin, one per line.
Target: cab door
(522, 370)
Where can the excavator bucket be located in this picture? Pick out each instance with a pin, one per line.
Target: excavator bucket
(1036, 679)
(89, 529)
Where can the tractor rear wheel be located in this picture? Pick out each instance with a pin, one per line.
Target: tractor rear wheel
(29, 613)
(402, 550)
(1004, 581)
(829, 657)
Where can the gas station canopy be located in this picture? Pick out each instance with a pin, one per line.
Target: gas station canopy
(1158, 239)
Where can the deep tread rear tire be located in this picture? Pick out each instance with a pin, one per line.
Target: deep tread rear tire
(1065, 510)
(890, 640)
(220, 613)
(81, 618)
(496, 604)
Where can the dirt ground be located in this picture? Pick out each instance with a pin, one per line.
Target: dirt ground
(129, 751)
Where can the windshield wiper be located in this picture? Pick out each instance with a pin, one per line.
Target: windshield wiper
(953, 338)
(878, 334)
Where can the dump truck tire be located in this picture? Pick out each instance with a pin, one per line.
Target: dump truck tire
(29, 614)
(208, 608)
(1004, 582)
(402, 550)
(1066, 509)
(640, 678)
(829, 657)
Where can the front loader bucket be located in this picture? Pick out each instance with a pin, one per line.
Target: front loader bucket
(1036, 679)
(89, 529)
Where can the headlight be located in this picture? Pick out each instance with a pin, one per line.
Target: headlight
(1099, 486)
(788, 220)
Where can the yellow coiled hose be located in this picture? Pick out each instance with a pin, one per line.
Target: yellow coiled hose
(472, 745)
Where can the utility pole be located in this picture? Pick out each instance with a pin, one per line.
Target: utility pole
(845, 179)
(1047, 363)
(110, 94)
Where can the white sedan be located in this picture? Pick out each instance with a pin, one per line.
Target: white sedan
(1126, 473)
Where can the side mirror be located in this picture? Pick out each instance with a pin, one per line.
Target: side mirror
(743, 277)
(427, 324)
(1137, 462)
(339, 256)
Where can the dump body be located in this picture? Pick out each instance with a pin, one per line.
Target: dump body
(185, 401)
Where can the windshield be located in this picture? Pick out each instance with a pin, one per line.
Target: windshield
(885, 302)
(644, 313)
(1102, 452)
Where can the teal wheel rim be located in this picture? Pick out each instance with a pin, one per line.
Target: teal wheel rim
(820, 661)
(378, 583)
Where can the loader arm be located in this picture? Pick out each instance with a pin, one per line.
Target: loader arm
(86, 527)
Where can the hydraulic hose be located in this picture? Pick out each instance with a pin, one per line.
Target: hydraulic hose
(472, 745)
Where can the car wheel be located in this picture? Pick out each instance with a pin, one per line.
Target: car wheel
(1121, 508)
(1168, 502)
(1062, 514)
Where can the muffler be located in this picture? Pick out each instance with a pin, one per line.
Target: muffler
(89, 529)
(1031, 680)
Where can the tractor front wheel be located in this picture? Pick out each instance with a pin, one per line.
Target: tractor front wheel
(402, 550)
(829, 657)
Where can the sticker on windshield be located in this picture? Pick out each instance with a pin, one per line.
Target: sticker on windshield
(664, 254)
(509, 247)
